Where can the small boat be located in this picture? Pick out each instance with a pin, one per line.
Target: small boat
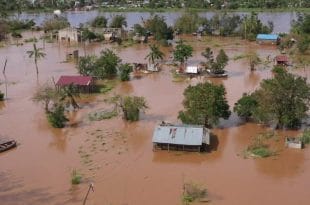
(217, 75)
(7, 144)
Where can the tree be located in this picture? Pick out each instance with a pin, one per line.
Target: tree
(283, 100)
(204, 104)
(208, 54)
(245, 106)
(182, 52)
(87, 65)
(118, 21)
(36, 54)
(125, 70)
(155, 54)
(253, 60)
(68, 94)
(56, 117)
(99, 22)
(131, 106)
(107, 64)
(221, 59)
(187, 23)
(157, 26)
(54, 24)
(45, 94)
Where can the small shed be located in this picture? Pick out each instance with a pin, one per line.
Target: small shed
(153, 67)
(180, 137)
(268, 38)
(84, 83)
(69, 34)
(293, 142)
(281, 60)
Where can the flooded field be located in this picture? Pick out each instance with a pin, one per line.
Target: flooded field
(117, 156)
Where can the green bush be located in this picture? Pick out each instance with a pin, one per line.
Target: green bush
(76, 178)
(57, 117)
(278, 69)
(305, 138)
(261, 152)
(1, 96)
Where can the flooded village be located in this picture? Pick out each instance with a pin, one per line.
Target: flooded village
(180, 145)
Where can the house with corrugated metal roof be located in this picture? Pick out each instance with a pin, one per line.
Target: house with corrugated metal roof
(268, 38)
(180, 137)
(83, 83)
(281, 60)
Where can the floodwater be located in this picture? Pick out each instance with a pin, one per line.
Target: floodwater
(117, 156)
(282, 20)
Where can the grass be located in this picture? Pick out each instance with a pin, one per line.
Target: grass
(193, 192)
(259, 147)
(176, 77)
(102, 115)
(305, 137)
(104, 86)
(76, 178)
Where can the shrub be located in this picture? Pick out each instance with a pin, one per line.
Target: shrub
(55, 24)
(305, 138)
(125, 70)
(56, 117)
(16, 34)
(193, 192)
(76, 178)
(278, 69)
(261, 152)
(1, 96)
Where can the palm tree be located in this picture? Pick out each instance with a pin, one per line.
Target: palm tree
(154, 54)
(36, 53)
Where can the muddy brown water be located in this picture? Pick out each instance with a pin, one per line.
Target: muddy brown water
(117, 156)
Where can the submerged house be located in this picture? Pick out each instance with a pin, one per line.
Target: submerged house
(268, 38)
(180, 137)
(69, 34)
(83, 83)
(281, 60)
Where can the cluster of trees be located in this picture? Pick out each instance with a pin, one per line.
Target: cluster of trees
(216, 66)
(225, 24)
(55, 102)
(282, 101)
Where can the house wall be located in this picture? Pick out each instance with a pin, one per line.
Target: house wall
(69, 35)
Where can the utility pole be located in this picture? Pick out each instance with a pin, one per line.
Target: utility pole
(91, 187)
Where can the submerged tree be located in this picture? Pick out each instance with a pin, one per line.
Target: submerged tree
(118, 21)
(46, 95)
(56, 116)
(245, 107)
(125, 70)
(283, 101)
(99, 22)
(131, 106)
(155, 54)
(182, 52)
(106, 64)
(36, 54)
(204, 104)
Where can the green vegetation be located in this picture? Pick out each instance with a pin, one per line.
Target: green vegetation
(305, 137)
(188, 23)
(55, 24)
(158, 27)
(131, 106)
(204, 104)
(155, 54)
(125, 70)
(118, 21)
(56, 116)
(76, 178)
(182, 52)
(102, 115)
(283, 101)
(104, 66)
(245, 106)
(90, 36)
(99, 22)
(278, 69)
(259, 146)
(1, 96)
(216, 66)
(36, 54)
(193, 192)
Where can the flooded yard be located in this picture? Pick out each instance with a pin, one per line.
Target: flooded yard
(117, 156)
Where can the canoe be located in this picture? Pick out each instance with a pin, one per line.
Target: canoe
(6, 145)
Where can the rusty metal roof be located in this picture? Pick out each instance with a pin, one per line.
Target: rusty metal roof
(181, 135)
(281, 58)
(75, 80)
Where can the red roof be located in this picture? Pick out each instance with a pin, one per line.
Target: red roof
(75, 80)
(281, 58)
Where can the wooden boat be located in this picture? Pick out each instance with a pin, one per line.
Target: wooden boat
(7, 144)
(217, 75)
